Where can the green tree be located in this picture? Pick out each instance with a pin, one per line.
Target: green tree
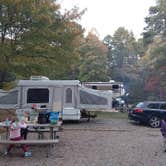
(154, 59)
(94, 63)
(156, 21)
(36, 38)
(122, 48)
(124, 55)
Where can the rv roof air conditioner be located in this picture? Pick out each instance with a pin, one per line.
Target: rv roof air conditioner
(39, 78)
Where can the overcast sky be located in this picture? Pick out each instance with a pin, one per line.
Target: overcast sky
(108, 15)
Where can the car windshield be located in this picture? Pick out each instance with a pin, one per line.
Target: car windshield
(140, 105)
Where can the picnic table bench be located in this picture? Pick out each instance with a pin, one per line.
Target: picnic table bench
(49, 143)
(30, 142)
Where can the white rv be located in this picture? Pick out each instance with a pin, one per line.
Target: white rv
(117, 88)
(66, 96)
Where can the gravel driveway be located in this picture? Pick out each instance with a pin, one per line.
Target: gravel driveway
(100, 142)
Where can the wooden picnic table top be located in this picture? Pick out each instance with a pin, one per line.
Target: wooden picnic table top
(58, 124)
(30, 124)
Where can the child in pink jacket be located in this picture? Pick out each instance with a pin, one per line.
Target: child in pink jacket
(15, 135)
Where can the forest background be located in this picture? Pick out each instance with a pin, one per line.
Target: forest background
(36, 38)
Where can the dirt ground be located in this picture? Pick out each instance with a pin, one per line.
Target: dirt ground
(100, 142)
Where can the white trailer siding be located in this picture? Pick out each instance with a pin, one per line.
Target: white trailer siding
(66, 96)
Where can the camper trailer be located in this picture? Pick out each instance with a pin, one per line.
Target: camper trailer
(117, 88)
(68, 97)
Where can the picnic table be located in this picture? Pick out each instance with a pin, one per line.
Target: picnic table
(37, 128)
(42, 128)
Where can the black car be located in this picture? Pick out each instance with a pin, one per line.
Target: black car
(149, 112)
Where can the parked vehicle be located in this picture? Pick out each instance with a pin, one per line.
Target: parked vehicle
(69, 97)
(148, 112)
(117, 88)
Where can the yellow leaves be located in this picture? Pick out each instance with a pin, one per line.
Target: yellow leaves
(45, 19)
(9, 85)
(148, 57)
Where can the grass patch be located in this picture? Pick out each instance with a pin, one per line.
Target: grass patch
(112, 115)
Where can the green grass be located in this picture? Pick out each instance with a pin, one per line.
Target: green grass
(113, 115)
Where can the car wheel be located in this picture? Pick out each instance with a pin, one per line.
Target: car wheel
(154, 121)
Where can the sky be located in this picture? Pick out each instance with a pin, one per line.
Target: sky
(107, 16)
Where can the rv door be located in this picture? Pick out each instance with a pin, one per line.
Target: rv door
(68, 97)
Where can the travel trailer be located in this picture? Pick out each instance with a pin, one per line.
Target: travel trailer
(69, 97)
(117, 88)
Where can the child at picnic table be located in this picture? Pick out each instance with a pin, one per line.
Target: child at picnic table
(24, 128)
(163, 132)
(15, 135)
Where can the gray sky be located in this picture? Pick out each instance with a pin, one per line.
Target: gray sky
(108, 15)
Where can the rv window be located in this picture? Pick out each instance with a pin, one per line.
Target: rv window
(115, 86)
(38, 96)
(94, 87)
(68, 95)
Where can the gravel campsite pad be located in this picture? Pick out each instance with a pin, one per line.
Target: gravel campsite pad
(107, 142)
